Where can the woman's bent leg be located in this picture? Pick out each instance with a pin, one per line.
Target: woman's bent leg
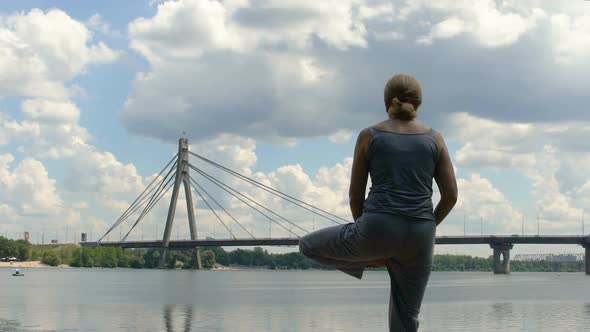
(336, 246)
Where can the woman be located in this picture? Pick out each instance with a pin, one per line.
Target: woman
(395, 225)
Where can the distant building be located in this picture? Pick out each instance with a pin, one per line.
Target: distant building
(27, 236)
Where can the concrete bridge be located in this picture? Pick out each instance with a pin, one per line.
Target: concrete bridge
(501, 245)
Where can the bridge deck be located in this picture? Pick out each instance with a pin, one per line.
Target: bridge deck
(490, 239)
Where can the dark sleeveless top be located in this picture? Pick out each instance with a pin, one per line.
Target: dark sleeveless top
(402, 168)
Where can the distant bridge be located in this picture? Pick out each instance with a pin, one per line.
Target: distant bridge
(552, 258)
(177, 175)
(440, 240)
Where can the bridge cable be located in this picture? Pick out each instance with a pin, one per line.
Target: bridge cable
(158, 191)
(146, 198)
(218, 218)
(224, 186)
(149, 185)
(155, 199)
(148, 208)
(274, 191)
(143, 201)
(140, 200)
(216, 202)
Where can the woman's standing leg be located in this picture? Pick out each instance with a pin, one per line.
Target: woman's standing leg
(406, 294)
(409, 273)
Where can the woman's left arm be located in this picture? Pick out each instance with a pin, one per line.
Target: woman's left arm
(359, 174)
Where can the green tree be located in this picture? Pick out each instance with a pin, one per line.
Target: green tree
(7, 247)
(22, 249)
(108, 257)
(207, 259)
(51, 258)
(221, 256)
(136, 262)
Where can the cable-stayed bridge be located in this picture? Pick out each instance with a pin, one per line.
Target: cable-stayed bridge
(177, 173)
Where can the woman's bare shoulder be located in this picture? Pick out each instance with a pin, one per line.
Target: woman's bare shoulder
(404, 127)
(364, 135)
(384, 125)
(422, 126)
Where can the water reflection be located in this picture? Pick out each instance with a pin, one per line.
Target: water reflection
(172, 313)
(117, 300)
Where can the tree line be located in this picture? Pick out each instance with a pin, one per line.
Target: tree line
(184, 259)
(257, 257)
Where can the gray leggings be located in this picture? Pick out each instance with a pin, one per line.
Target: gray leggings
(406, 243)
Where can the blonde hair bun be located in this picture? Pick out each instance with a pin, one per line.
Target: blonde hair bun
(404, 111)
(400, 90)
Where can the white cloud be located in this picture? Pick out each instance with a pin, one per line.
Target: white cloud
(28, 188)
(59, 40)
(551, 156)
(490, 23)
(97, 23)
(11, 130)
(51, 112)
(50, 129)
(256, 54)
(445, 29)
(341, 136)
(108, 175)
(41, 50)
(572, 37)
(290, 69)
(478, 198)
(241, 26)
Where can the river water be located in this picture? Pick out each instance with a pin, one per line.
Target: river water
(163, 300)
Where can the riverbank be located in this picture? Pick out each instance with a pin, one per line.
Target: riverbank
(29, 264)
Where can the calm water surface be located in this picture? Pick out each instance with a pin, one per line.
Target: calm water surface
(154, 300)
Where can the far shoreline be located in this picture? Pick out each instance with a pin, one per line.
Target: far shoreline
(39, 264)
(30, 264)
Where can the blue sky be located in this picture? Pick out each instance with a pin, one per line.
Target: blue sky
(103, 90)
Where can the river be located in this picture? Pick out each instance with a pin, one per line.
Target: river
(252, 300)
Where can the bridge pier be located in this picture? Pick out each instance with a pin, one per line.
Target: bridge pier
(501, 257)
(587, 258)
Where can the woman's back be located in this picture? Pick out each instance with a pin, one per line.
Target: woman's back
(402, 167)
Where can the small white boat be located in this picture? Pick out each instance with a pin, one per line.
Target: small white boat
(17, 273)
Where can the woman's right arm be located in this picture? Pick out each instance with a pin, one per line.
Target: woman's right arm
(359, 174)
(444, 175)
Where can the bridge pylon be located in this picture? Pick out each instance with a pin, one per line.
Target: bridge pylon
(182, 177)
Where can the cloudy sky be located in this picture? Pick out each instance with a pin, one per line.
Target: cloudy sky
(94, 97)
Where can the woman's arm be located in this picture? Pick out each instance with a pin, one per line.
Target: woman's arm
(359, 174)
(445, 179)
